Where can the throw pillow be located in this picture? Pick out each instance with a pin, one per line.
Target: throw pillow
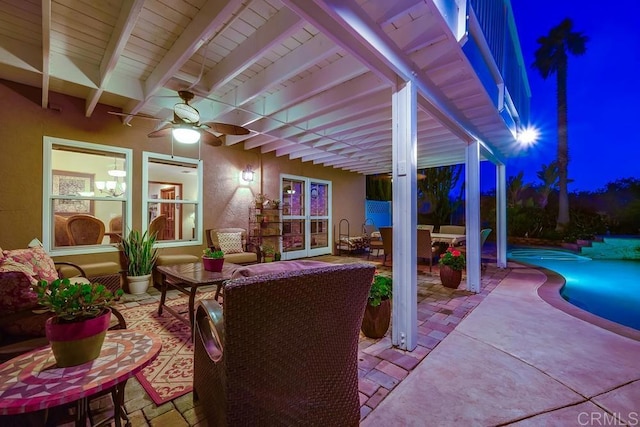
(230, 243)
(35, 259)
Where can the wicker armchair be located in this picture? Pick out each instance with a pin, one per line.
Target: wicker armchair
(283, 349)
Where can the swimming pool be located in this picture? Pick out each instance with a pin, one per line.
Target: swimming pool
(606, 288)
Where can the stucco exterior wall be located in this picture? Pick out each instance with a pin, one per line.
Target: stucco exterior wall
(23, 123)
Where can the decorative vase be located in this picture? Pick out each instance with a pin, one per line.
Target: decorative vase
(75, 343)
(375, 322)
(138, 284)
(213, 264)
(449, 277)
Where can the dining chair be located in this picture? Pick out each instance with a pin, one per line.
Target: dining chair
(424, 246)
(157, 226)
(484, 233)
(115, 229)
(85, 229)
(386, 234)
(61, 236)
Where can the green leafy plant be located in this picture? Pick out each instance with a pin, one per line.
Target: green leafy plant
(453, 258)
(381, 288)
(212, 253)
(74, 302)
(268, 250)
(140, 254)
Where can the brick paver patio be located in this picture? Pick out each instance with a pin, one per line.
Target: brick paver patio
(381, 367)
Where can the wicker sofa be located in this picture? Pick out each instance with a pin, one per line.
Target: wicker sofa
(283, 348)
(21, 319)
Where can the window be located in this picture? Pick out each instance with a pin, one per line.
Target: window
(85, 197)
(172, 199)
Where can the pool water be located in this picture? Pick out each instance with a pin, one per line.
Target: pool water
(606, 288)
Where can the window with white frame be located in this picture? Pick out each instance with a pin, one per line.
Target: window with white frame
(172, 195)
(86, 197)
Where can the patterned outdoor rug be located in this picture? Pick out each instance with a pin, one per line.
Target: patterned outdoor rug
(170, 375)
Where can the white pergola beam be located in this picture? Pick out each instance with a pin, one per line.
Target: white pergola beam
(129, 12)
(202, 28)
(46, 50)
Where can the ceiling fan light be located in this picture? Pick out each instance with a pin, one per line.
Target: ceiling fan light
(186, 135)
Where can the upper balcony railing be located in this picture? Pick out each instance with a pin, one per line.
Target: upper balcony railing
(492, 46)
(497, 25)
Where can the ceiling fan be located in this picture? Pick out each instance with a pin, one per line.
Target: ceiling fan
(186, 127)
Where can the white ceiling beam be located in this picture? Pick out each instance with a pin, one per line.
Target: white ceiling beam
(129, 12)
(46, 50)
(338, 72)
(278, 27)
(273, 146)
(361, 36)
(356, 89)
(202, 28)
(296, 61)
(394, 9)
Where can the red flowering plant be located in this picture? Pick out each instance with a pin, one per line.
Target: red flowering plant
(453, 258)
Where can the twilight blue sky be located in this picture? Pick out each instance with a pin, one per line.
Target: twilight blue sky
(603, 91)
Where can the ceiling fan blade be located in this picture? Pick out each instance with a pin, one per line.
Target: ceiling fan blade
(163, 131)
(139, 116)
(226, 129)
(210, 138)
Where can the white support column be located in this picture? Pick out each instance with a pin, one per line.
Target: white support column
(472, 215)
(404, 332)
(501, 215)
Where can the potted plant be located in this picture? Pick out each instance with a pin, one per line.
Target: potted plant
(452, 262)
(269, 252)
(140, 257)
(275, 203)
(260, 199)
(212, 260)
(81, 318)
(377, 313)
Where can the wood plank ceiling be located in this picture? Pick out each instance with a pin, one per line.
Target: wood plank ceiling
(303, 81)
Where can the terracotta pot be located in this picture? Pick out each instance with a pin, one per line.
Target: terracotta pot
(76, 343)
(449, 277)
(375, 322)
(213, 264)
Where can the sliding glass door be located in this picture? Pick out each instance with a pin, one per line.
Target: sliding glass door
(306, 215)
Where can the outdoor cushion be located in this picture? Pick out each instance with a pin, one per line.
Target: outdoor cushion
(277, 267)
(19, 270)
(230, 243)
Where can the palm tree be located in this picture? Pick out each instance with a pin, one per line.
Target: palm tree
(548, 174)
(551, 58)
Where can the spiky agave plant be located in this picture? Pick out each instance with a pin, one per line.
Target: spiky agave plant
(140, 254)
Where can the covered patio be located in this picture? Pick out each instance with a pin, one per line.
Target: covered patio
(538, 364)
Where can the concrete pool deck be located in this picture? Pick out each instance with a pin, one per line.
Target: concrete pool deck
(517, 360)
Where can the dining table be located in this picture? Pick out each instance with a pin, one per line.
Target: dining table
(450, 238)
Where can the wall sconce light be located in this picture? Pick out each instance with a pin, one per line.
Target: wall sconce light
(248, 174)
